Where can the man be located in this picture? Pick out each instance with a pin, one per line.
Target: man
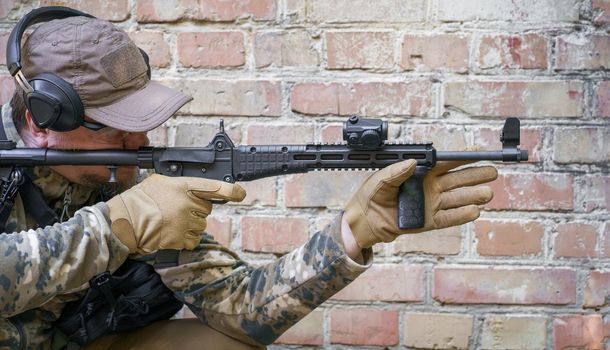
(238, 305)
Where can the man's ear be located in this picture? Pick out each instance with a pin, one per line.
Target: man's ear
(32, 135)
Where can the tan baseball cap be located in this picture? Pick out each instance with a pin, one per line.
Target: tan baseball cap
(105, 68)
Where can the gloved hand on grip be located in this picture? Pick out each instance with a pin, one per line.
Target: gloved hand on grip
(372, 213)
(167, 212)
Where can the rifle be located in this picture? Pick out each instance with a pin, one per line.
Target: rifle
(365, 148)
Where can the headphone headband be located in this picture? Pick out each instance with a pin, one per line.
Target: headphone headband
(43, 14)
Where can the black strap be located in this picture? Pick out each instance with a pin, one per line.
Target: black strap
(166, 258)
(34, 204)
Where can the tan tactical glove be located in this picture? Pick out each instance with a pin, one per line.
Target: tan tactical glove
(372, 213)
(167, 212)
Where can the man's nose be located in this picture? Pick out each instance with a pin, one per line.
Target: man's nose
(135, 140)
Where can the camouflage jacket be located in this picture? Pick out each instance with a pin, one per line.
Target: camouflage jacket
(44, 268)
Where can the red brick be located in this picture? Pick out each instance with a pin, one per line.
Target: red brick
(364, 327)
(531, 140)
(576, 51)
(388, 282)
(601, 11)
(342, 11)
(211, 49)
(285, 49)
(582, 145)
(532, 192)
(7, 87)
(575, 240)
(607, 328)
(532, 99)
(578, 331)
(366, 99)
(332, 133)
(329, 189)
(437, 331)
(603, 99)
(494, 285)
(444, 138)
(272, 234)
(597, 289)
(155, 46)
(308, 331)
(220, 228)
(516, 11)
(440, 51)
(508, 238)
(116, 10)
(447, 241)
(208, 10)
(528, 51)
(229, 97)
(260, 192)
(361, 50)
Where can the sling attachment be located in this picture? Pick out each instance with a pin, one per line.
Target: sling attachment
(11, 180)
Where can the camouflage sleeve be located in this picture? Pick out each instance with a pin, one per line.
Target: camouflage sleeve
(38, 264)
(258, 304)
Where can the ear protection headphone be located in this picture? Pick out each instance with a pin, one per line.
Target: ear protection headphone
(52, 101)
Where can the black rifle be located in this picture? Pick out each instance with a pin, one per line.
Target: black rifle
(365, 148)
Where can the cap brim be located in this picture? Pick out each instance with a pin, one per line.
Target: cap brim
(141, 111)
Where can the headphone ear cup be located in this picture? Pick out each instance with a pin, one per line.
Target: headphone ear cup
(54, 103)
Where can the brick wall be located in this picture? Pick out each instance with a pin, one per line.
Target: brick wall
(533, 272)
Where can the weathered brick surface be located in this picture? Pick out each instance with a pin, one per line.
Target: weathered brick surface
(155, 45)
(601, 10)
(235, 97)
(366, 99)
(532, 192)
(220, 228)
(575, 240)
(497, 285)
(285, 49)
(322, 189)
(597, 289)
(437, 331)
(388, 282)
(593, 193)
(308, 331)
(272, 234)
(518, 10)
(7, 87)
(603, 99)
(582, 145)
(508, 238)
(364, 327)
(117, 10)
(578, 331)
(209, 10)
(514, 332)
(363, 50)
(512, 51)
(516, 98)
(445, 241)
(531, 273)
(583, 52)
(211, 49)
(341, 11)
(443, 51)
